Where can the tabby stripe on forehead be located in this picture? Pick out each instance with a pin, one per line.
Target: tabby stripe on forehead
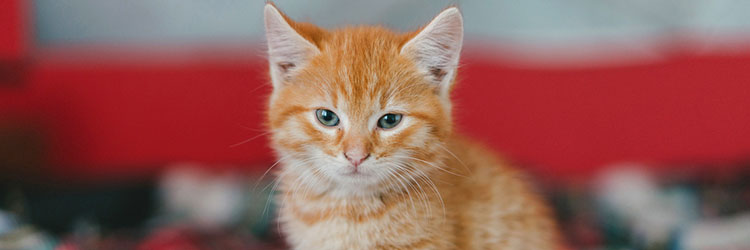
(334, 99)
(384, 100)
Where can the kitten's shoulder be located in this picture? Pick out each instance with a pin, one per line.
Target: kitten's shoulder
(479, 163)
(469, 151)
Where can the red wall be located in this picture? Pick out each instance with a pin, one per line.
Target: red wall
(12, 29)
(687, 109)
(110, 117)
(104, 116)
(133, 112)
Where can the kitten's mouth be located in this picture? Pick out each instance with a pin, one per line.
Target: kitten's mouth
(354, 172)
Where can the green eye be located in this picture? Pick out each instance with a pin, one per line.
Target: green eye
(327, 117)
(389, 121)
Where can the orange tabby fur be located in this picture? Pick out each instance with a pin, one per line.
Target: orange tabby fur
(423, 187)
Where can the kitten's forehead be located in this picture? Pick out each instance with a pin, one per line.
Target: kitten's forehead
(361, 70)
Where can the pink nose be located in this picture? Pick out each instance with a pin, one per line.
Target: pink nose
(356, 157)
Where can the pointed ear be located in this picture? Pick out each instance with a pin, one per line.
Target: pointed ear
(436, 48)
(288, 51)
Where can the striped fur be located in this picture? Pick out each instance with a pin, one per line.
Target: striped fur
(423, 187)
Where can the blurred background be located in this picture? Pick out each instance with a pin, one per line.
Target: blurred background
(138, 124)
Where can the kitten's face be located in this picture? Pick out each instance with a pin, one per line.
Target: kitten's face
(357, 113)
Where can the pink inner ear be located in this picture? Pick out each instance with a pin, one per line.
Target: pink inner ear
(286, 66)
(438, 73)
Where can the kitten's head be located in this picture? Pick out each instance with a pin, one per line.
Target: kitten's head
(363, 109)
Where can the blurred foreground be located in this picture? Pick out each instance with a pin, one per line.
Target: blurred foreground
(188, 207)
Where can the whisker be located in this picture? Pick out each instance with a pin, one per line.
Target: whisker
(252, 129)
(435, 166)
(267, 171)
(422, 193)
(277, 181)
(270, 193)
(406, 188)
(295, 165)
(248, 140)
(434, 188)
(455, 157)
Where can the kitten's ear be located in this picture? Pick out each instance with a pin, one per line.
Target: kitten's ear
(287, 49)
(436, 48)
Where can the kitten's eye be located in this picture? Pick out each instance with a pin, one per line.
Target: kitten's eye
(327, 117)
(389, 121)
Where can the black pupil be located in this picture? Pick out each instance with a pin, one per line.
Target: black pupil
(326, 115)
(389, 119)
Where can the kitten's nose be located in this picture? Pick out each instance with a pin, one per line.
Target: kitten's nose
(356, 156)
(356, 148)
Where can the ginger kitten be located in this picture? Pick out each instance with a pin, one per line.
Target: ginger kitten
(361, 123)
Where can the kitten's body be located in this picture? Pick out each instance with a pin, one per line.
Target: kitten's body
(412, 186)
(492, 207)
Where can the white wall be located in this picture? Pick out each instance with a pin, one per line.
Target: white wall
(527, 22)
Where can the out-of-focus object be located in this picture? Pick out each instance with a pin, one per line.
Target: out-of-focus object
(26, 238)
(700, 208)
(725, 233)
(168, 239)
(203, 198)
(8, 222)
(631, 192)
(174, 238)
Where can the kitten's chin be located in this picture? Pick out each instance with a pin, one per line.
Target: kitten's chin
(356, 184)
(356, 180)
(348, 192)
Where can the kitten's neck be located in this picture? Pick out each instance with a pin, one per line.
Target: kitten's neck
(418, 186)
